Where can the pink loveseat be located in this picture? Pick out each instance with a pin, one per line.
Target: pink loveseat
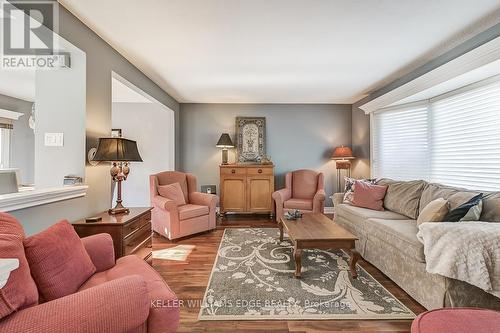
(123, 296)
(173, 221)
(304, 190)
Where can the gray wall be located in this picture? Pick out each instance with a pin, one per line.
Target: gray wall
(22, 150)
(360, 143)
(60, 108)
(298, 136)
(102, 59)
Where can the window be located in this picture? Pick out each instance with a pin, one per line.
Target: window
(452, 139)
(400, 143)
(5, 130)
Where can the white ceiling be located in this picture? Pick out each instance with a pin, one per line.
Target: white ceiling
(281, 51)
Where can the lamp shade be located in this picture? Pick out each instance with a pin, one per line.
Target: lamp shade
(342, 153)
(225, 141)
(117, 150)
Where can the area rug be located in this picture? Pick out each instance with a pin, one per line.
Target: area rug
(252, 279)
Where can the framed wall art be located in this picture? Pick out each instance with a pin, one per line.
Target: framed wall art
(250, 139)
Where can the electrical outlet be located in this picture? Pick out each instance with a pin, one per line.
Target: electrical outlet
(210, 189)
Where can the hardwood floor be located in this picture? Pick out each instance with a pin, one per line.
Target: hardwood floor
(189, 278)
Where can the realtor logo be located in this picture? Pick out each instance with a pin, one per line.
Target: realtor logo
(28, 34)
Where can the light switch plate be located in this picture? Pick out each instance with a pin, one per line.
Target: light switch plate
(54, 139)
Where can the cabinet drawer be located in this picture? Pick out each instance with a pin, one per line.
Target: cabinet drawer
(136, 224)
(137, 239)
(260, 171)
(233, 171)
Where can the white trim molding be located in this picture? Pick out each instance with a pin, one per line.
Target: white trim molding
(480, 56)
(26, 199)
(10, 114)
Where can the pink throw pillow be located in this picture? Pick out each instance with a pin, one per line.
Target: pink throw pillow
(369, 195)
(17, 287)
(173, 192)
(58, 260)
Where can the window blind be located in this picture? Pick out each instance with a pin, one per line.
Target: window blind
(465, 136)
(400, 143)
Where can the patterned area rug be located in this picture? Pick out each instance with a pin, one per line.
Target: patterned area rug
(252, 279)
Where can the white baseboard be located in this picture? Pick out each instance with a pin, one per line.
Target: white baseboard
(328, 210)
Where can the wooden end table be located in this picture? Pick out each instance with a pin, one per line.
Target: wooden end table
(131, 233)
(316, 231)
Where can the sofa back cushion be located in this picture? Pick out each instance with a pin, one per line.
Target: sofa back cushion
(457, 196)
(17, 288)
(403, 197)
(58, 261)
(304, 184)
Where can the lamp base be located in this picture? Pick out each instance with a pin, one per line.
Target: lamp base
(224, 156)
(118, 209)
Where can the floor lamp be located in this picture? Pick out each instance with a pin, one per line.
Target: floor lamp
(342, 156)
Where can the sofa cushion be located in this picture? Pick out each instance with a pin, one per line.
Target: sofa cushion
(473, 206)
(401, 234)
(403, 197)
(189, 211)
(457, 196)
(433, 212)
(304, 184)
(173, 192)
(17, 288)
(302, 204)
(369, 196)
(491, 207)
(58, 261)
(358, 215)
(164, 314)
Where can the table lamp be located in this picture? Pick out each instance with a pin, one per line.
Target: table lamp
(120, 152)
(224, 143)
(342, 156)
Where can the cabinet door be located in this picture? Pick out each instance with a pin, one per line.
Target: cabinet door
(233, 194)
(259, 191)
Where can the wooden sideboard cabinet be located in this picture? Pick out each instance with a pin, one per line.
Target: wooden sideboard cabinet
(131, 232)
(246, 188)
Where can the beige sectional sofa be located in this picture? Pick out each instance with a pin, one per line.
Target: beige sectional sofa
(388, 240)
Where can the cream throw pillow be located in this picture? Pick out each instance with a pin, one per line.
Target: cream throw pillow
(433, 212)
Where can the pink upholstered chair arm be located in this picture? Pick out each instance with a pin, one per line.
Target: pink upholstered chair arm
(319, 201)
(117, 306)
(282, 195)
(164, 203)
(203, 199)
(101, 251)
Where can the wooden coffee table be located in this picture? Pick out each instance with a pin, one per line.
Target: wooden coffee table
(316, 231)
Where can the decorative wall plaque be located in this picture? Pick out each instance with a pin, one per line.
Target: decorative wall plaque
(250, 139)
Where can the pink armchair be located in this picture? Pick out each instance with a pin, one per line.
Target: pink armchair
(172, 221)
(126, 296)
(304, 190)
